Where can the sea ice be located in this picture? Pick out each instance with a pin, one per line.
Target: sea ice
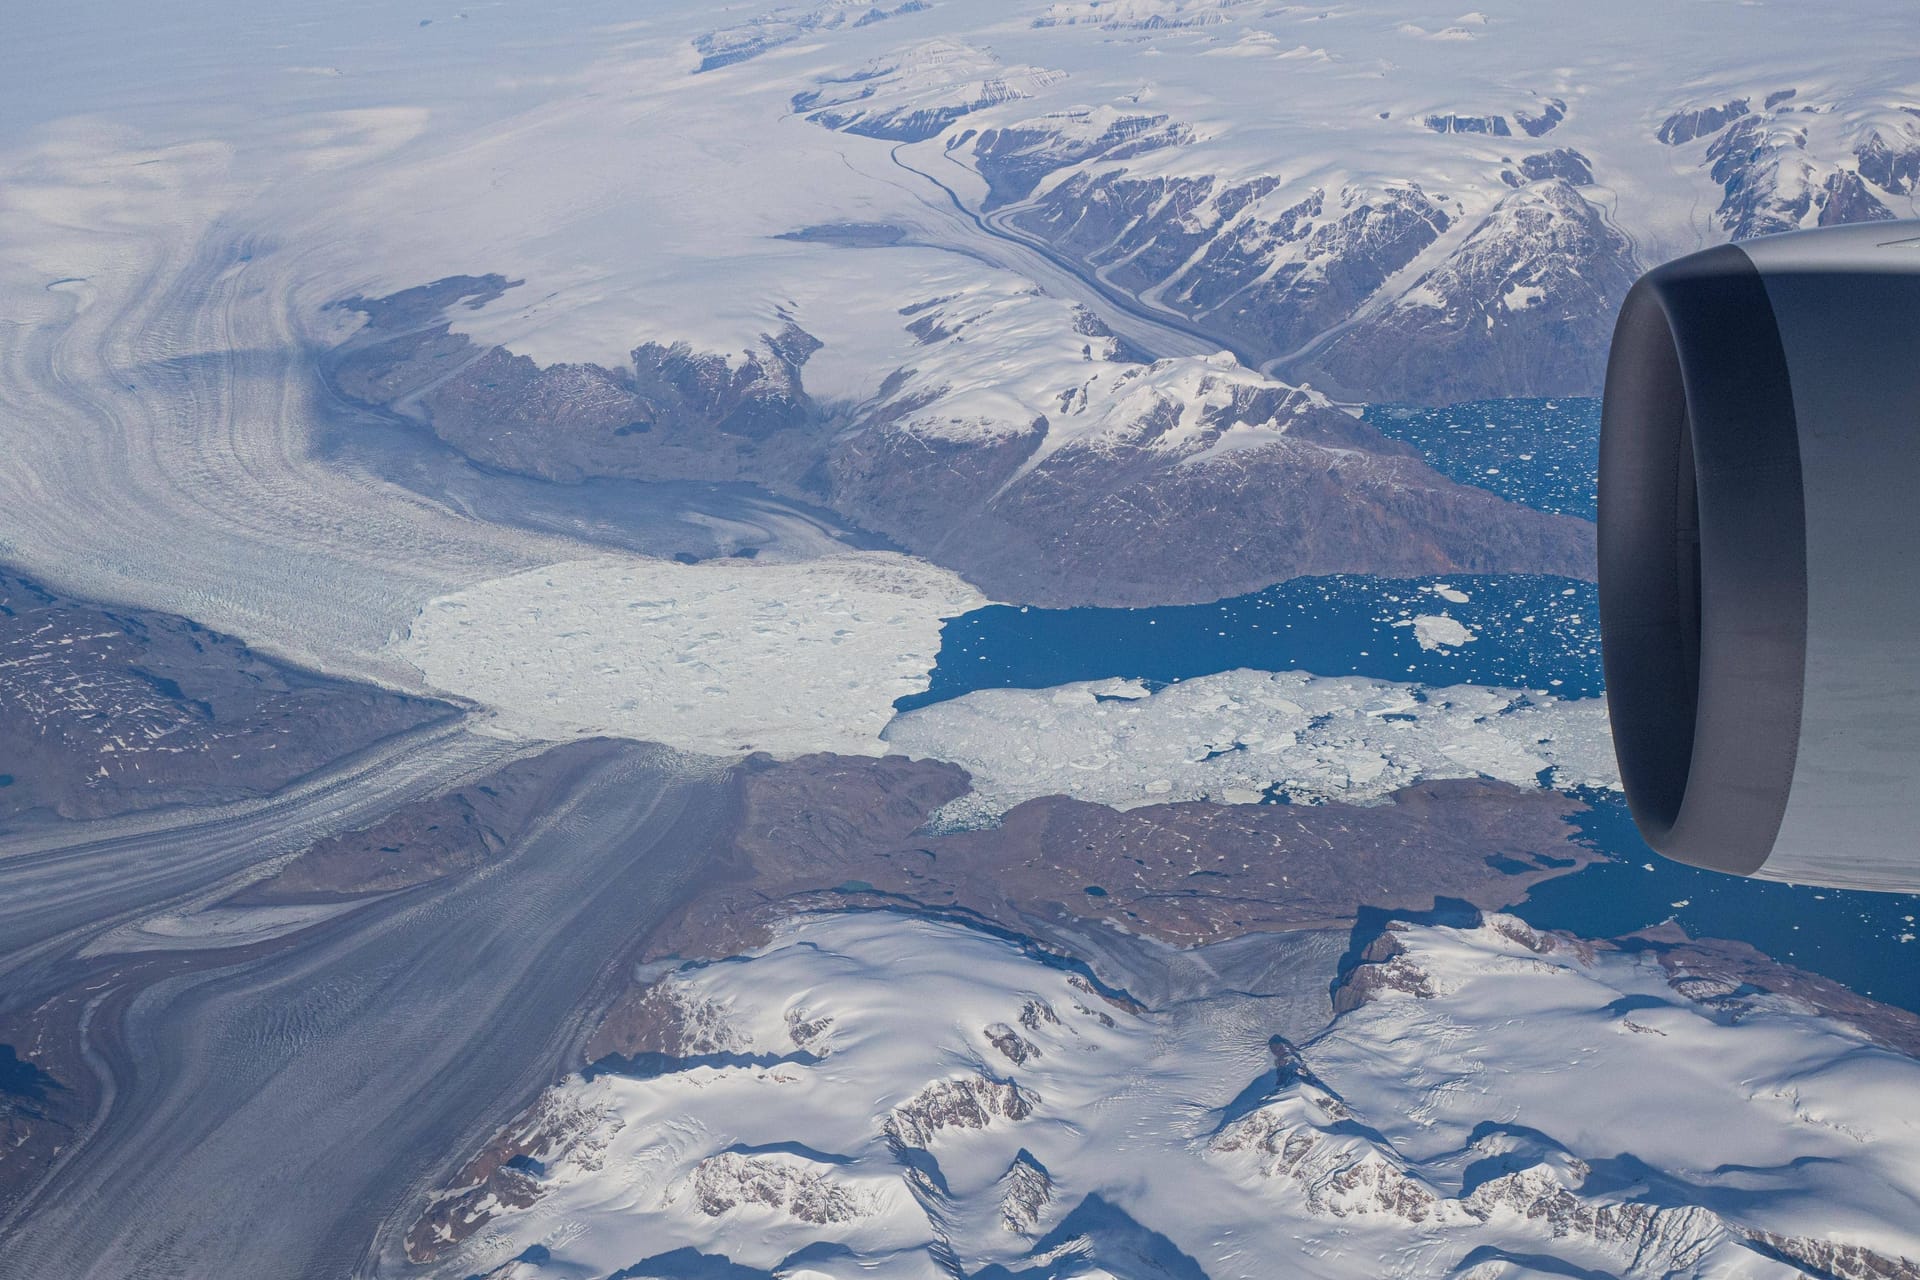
(1241, 735)
(1440, 631)
(724, 656)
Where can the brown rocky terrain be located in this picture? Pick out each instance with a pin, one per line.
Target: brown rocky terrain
(1111, 520)
(105, 710)
(1720, 969)
(831, 832)
(837, 833)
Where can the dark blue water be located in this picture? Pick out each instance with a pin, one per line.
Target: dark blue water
(1532, 632)
(1864, 940)
(1543, 453)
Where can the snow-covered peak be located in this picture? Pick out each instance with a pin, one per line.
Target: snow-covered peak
(725, 46)
(1004, 358)
(1147, 15)
(916, 92)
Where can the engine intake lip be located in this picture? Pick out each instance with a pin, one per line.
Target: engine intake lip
(1703, 570)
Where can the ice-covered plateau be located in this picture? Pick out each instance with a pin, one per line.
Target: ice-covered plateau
(1243, 736)
(1406, 206)
(878, 1095)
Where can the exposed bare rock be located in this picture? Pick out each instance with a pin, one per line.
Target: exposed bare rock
(1340, 1177)
(1679, 1237)
(964, 1102)
(506, 1172)
(1773, 179)
(1026, 1193)
(1185, 873)
(663, 1021)
(1117, 518)
(1090, 501)
(825, 815)
(1683, 127)
(1264, 279)
(805, 1190)
(106, 710)
(1493, 126)
(1015, 1047)
(1844, 198)
(1840, 1261)
(1038, 1013)
(1721, 971)
(915, 93)
(39, 1117)
(1538, 124)
(1525, 306)
(1383, 966)
(675, 413)
(1564, 163)
(1305, 1138)
(1016, 159)
(814, 1035)
(1893, 166)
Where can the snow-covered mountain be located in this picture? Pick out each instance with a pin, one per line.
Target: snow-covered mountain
(876, 1095)
(1019, 440)
(1408, 217)
(979, 290)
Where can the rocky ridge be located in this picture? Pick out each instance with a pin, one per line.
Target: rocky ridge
(1796, 161)
(1055, 470)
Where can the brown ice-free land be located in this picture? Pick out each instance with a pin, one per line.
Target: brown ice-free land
(1116, 523)
(106, 710)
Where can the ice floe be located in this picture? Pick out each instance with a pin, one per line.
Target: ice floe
(1242, 736)
(724, 656)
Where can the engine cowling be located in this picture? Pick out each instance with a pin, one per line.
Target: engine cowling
(1760, 556)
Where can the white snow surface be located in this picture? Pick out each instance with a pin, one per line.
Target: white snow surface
(1237, 736)
(169, 253)
(1003, 356)
(721, 657)
(1541, 1102)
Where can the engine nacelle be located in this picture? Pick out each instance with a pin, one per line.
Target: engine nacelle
(1760, 556)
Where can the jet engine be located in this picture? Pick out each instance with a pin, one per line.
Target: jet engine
(1760, 556)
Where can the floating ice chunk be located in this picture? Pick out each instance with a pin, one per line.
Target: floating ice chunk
(1439, 631)
(722, 657)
